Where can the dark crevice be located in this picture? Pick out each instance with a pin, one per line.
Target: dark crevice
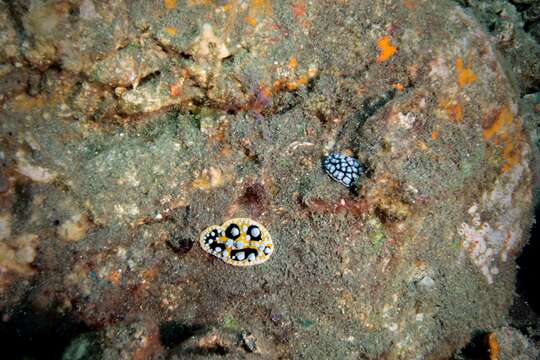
(16, 12)
(146, 79)
(529, 268)
(521, 7)
(181, 241)
(22, 206)
(476, 349)
(174, 333)
(75, 92)
(463, 3)
(179, 244)
(29, 333)
(169, 50)
(285, 108)
(214, 349)
(369, 107)
(296, 100)
(252, 156)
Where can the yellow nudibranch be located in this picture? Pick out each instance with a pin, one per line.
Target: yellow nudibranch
(239, 242)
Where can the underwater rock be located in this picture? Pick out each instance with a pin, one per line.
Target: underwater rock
(133, 339)
(4, 182)
(129, 66)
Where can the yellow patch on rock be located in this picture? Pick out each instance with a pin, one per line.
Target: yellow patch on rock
(75, 228)
(171, 30)
(386, 48)
(169, 4)
(504, 119)
(454, 109)
(199, 2)
(210, 179)
(262, 7)
(505, 131)
(17, 255)
(465, 75)
(251, 20)
(494, 348)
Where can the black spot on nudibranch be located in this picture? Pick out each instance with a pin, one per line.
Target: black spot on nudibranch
(232, 232)
(217, 247)
(254, 232)
(343, 169)
(211, 236)
(243, 254)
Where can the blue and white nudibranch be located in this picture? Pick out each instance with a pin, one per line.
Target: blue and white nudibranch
(239, 242)
(344, 169)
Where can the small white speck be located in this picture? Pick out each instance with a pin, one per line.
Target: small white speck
(251, 257)
(427, 282)
(248, 237)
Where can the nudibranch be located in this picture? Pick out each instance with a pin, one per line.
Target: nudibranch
(344, 169)
(239, 242)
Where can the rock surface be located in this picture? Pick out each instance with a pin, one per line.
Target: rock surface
(128, 128)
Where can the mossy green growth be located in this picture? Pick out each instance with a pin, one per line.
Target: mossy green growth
(457, 244)
(156, 128)
(376, 233)
(84, 347)
(306, 323)
(284, 162)
(466, 169)
(229, 323)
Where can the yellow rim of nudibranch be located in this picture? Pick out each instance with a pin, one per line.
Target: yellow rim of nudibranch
(243, 224)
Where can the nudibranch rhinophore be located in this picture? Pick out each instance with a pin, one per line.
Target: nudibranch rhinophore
(344, 169)
(239, 242)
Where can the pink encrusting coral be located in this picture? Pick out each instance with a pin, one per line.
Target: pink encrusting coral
(485, 242)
